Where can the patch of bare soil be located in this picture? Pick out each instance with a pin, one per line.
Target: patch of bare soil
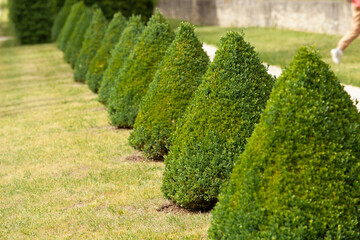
(135, 158)
(98, 109)
(103, 127)
(172, 208)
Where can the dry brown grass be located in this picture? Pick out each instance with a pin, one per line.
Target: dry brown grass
(64, 172)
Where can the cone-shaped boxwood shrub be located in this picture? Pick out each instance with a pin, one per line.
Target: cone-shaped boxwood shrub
(32, 20)
(69, 26)
(139, 69)
(92, 41)
(99, 62)
(175, 81)
(216, 125)
(61, 18)
(298, 177)
(77, 37)
(119, 54)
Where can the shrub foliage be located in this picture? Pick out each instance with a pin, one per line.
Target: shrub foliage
(175, 81)
(32, 20)
(144, 8)
(61, 18)
(119, 54)
(215, 128)
(58, 5)
(75, 42)
(99, 62)
(92, 41)
(69, 26)
(299, 175)
(139, 69)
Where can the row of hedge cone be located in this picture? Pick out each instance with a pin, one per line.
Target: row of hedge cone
(283, 154)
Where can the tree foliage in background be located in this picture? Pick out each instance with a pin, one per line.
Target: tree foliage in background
(61, 19)
(75, 42)
(215, 128)
(144, 8)
(32, 20)
(76, 10)
(175, 81)
(58, 4)
(299, 176)
(119, 54)
(139, 69)
(100, 61)
(92, 41)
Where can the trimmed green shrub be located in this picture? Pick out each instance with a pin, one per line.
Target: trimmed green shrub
(119, 54)
(32, 20)
(77, 37)
(92, 41)
(216, 125)
(145, 8)
(139, 69)
(99, 63)
(69, 26)
(298, 177)
(175, 81)
(61, 19)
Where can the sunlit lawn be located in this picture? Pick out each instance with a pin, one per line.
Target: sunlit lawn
(278, 47)
(64, 172)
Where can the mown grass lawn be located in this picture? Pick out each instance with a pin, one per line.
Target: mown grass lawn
(278, 47)
(64, 172)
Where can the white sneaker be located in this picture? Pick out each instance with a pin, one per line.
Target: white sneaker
(336, 54)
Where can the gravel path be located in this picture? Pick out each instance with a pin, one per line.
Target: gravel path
(353, 91)
(2, 38)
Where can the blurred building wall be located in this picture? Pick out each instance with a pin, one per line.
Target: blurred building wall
(332, 17)
(202, 12)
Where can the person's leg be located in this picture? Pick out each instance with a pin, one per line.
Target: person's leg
(355, 29)
(350, 36)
